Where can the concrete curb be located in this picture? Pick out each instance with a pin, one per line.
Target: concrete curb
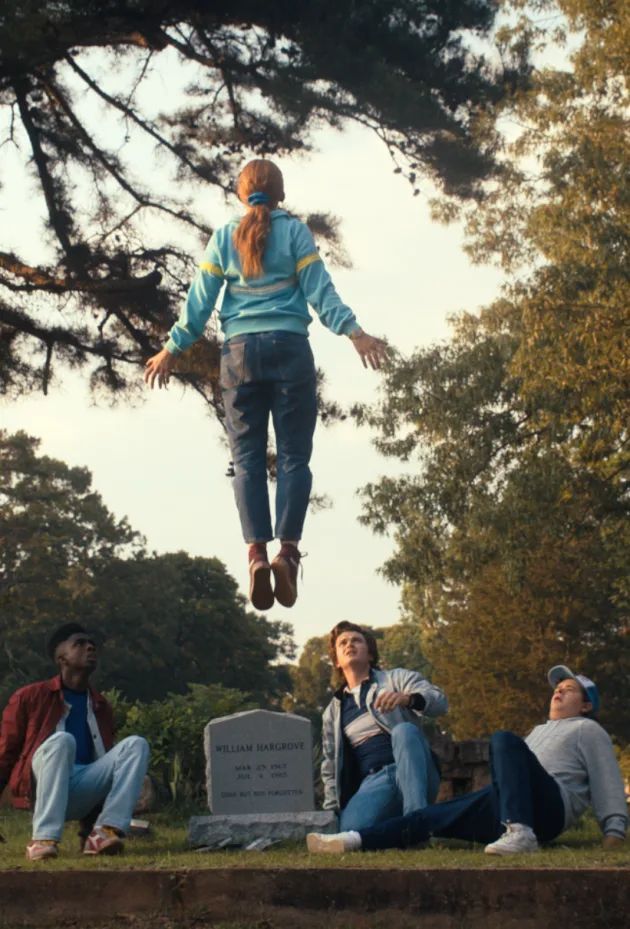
(506, 898)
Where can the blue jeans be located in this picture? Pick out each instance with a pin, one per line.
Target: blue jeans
(65, 790)
(267, 374)
(521, 792)
(408, 784)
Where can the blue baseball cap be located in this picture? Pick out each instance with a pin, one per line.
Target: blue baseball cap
(560, 673)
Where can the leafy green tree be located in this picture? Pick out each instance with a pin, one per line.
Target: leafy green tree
(174, 728)
(401, 647)
(166, 621)
(564, 206)
(311, 684)
(312, 676)
(510, 555)
(172, 620)
(55, 534)
(511, 529)
(76, 80)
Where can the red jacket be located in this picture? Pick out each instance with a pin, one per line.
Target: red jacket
(30, 716)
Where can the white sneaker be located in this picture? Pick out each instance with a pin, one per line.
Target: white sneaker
(516, 840)
(318, 843)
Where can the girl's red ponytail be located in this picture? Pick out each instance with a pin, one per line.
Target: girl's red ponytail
(261, 187)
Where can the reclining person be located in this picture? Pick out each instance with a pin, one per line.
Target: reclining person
(376, 761)
(57, 753)
(540, 787)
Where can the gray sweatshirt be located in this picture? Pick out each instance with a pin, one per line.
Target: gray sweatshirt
(579, 755)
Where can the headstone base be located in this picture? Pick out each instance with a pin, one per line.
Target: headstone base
(242, 829)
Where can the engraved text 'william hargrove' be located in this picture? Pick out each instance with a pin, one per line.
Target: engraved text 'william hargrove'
(261, 747)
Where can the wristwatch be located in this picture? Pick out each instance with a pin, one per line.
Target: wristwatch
(356, 334)
(417, 702)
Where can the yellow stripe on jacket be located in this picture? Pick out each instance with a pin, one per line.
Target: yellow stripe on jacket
(306, 261)
(212, 268)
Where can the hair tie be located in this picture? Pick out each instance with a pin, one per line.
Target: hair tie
(257, 198)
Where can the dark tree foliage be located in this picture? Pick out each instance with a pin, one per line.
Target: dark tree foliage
(171, 620)
(164, 621)
(259, 77)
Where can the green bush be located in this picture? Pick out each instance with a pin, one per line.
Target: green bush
(174, 729)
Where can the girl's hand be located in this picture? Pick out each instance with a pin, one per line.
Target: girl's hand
(159, 368)
(372, 351)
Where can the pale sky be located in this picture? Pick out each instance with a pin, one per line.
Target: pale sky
(162, 462)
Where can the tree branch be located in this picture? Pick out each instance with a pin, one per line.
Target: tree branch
(140, 78)
(130, 113)
(38, 278)
(58, 219)
(42, 279)
(57, 335)
(47, 365)
(101, 157)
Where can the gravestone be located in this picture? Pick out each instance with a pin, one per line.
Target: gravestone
(259, 762)
(259, 769)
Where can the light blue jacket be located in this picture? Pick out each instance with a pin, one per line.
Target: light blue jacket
(294, 276)
(399, 680)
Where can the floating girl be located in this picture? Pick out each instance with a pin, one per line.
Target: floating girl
(271, 270)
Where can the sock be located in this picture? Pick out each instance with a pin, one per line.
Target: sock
(352, 840)
(523, 829)
(257, 551)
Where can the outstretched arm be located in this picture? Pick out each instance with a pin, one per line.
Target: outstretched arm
(194, 315)
(318, 288)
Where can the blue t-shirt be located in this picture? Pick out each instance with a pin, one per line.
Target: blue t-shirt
(77, 724)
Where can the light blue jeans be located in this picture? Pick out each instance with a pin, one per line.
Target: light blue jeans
(65, 790)
(411, 783)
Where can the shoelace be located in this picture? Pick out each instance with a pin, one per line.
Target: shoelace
(299, 565)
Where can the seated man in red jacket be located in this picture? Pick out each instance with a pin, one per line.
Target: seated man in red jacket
(58, 756)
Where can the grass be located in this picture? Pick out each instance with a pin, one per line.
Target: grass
(166, 847)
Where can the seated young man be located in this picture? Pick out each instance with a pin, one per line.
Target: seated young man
(376, 761)
(57, 753)
(540, 787)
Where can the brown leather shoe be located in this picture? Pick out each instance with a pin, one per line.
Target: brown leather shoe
(260, 592)
(285, 571)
